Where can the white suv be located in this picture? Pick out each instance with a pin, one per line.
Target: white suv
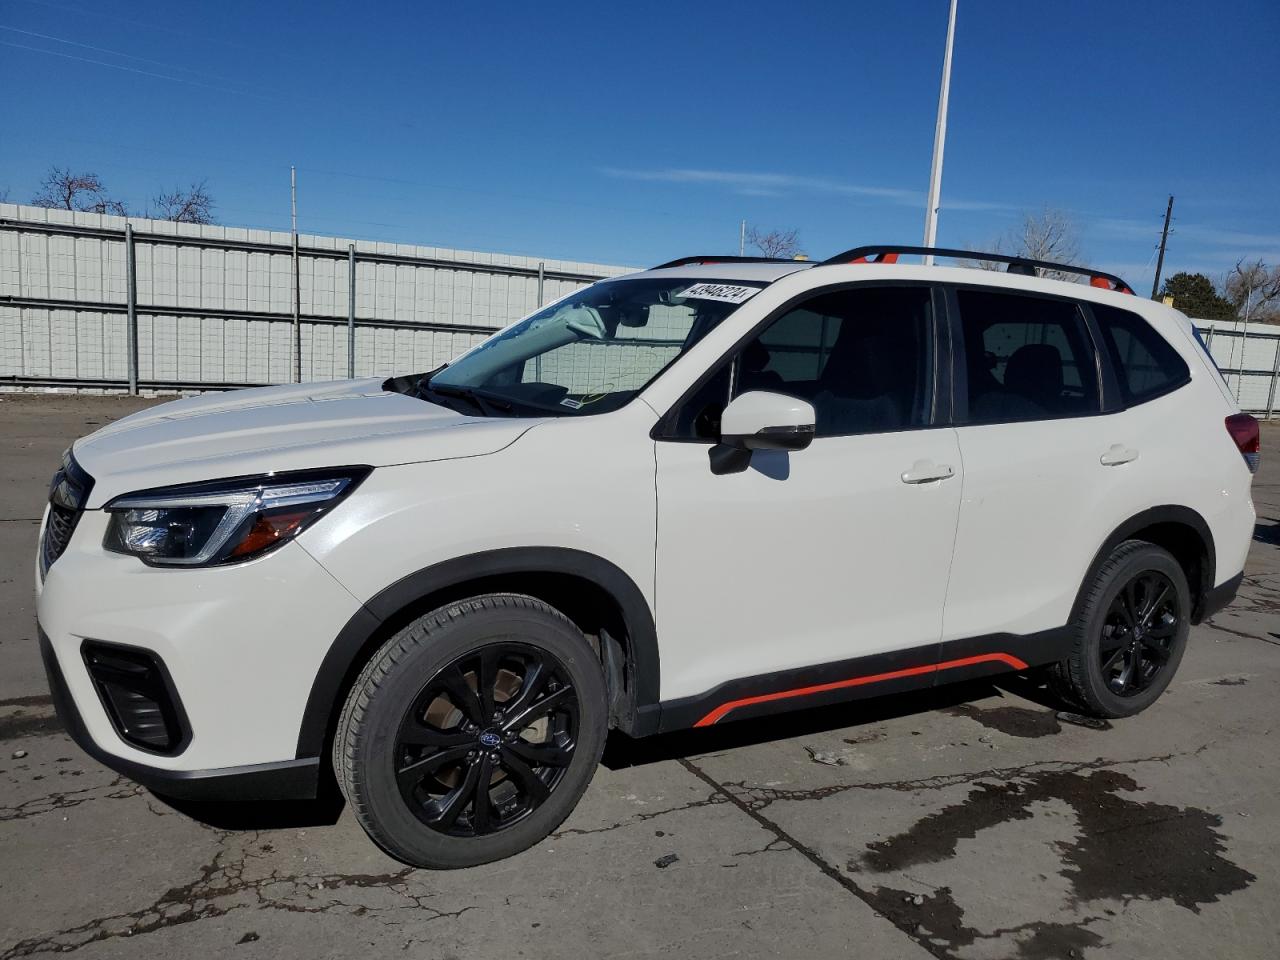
(708, 491)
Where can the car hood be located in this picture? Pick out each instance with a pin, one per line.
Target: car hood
(268, 429)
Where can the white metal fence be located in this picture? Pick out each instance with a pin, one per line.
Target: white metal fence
(1249, 358)
(213, 307)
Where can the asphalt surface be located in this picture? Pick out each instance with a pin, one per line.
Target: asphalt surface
(975, 821)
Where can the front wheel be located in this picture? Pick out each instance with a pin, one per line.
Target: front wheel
(1130, 632)
(473, 732)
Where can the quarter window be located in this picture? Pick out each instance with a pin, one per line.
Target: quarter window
(1146, 365)
(1028, 358)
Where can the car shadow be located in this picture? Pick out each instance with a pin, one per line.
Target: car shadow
(237, 815)
(1267, 531)
(622, 751)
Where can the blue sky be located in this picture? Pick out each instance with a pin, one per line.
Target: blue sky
(630, 133)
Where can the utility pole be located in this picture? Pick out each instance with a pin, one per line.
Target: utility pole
(351, 311)
(939, 141)
(131, 308)
(297, 287)
(1164, 239)
(742, 238)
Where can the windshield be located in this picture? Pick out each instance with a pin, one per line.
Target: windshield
(589, 353)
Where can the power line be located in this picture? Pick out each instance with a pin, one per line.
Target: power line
(145, 73)
(275, 53)
(114, 53)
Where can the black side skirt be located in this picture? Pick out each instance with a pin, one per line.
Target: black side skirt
(287, 780)
(883, 673)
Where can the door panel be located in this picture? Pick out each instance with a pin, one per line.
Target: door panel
(1035, 497)
(1036, 491)
(809, 557)
(830, 553)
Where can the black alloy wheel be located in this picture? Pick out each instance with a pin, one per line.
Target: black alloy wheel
(1138, 633)
(1128, 633)
(473, 732)
(487, 740)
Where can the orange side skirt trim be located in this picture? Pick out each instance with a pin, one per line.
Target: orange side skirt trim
(720, 712)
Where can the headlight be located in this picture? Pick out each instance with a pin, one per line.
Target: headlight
(225, 521)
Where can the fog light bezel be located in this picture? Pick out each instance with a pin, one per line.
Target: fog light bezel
(158, 687)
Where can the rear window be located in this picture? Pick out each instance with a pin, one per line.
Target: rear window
(1146, 364)
(1029, 358)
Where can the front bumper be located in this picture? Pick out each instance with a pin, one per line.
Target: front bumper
(287, 780)
(241, 645)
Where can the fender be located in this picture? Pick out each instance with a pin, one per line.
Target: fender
(370, 618)
(1168, 513)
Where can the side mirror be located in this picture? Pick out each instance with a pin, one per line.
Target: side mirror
(760, 420)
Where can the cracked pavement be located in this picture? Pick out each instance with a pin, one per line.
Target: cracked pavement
(974, 821)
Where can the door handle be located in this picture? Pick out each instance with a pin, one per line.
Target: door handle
(1117, 454)
(926, 471)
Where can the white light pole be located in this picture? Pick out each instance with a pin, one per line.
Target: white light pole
(939, 142)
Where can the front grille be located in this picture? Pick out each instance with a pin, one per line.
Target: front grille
(57, 534)
(68, 492)
(136, 692)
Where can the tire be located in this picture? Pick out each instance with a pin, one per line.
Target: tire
(419, 705)
(1135, 574)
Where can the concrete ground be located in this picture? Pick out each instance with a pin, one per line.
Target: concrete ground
(972, 822)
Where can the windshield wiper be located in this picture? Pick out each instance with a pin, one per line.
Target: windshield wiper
(482, 401)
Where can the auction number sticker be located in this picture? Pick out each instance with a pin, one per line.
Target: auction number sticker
(724, 292)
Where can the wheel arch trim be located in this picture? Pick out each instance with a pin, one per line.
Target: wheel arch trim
(1152, 516)
(348, 645)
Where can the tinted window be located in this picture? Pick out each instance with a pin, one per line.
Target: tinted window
(1146, 365)
(699, 417)
(860, 356)
(1027, 358)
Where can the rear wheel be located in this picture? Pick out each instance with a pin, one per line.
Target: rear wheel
(473, 732)
(1130, 632)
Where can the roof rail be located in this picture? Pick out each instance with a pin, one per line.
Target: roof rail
(686, 261)
(889, 254)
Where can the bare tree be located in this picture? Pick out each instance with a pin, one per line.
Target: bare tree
(4, 195)
(1049, 235)
(115, 208)
(63, 190)
(192, 205)
(1253, 289)
(774, 243)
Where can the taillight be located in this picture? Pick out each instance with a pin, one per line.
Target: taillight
(1248, 438)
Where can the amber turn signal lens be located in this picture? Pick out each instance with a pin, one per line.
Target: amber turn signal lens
(267, 529)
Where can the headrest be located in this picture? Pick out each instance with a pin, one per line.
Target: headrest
(1035, 370)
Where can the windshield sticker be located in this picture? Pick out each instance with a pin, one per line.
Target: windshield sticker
(571, 404)
(724, 292)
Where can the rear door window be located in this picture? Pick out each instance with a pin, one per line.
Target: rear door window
(1028, 358)
(1147, 366)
